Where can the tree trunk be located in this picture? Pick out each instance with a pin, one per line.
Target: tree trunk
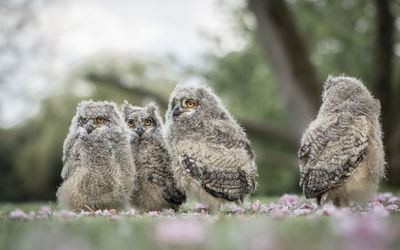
(384, 59)
(298, 83)
(383, 87)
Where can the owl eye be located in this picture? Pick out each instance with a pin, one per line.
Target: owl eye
(190, 103)
(84, 120)
(100, 119)
(147, 122)
(131, 123)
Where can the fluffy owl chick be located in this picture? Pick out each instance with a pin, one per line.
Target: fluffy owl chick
(98, 169)
(155, 185)
(341, 157)
(214, 159)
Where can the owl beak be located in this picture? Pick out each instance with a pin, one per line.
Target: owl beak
(176, 111)
(89, 128)
(139, 131)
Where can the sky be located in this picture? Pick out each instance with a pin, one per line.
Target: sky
(77, 29)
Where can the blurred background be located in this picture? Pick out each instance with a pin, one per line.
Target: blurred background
(267, 60)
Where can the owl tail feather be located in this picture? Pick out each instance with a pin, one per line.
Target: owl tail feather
(321, 199)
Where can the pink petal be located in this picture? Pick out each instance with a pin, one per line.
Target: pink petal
(394, 200)
(254, 206)
(98, 212)
(18, 214)
(179, 233)
(107, 212)
(289, 200)
(152, 213)
(263, 208)
(277, 214)
(306, 206)
(131, 212)
(200, 207)
(114, 217)
(379, 212)
(392, 207)
(45, 210)
(380, 198)
(298, 212)
(366, 233)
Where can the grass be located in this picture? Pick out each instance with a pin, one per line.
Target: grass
(243, 230)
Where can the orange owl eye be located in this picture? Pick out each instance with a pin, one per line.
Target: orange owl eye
(131, 123)
(84, 120)
(100, 119)
(190, 103)
(147, 122)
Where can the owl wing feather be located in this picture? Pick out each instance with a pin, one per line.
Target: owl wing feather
(227, 170)
(162, 176)
(68, 153)
(331, 152)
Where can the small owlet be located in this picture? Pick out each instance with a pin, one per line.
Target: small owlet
(341, 156)
(155, 185)
(214, 159)
(98, 169)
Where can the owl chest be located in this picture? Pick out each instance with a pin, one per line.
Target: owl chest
(96, 154)
(149, 156)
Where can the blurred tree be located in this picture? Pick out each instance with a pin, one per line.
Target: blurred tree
(307, 41)
(31, 153)
(289, 59)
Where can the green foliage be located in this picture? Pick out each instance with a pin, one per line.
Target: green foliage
(339, 36)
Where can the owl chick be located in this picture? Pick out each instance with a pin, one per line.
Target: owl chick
(155, 185)
(214, 160)
(98, 169)
(341, 157)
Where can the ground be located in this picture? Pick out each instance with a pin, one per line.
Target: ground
(287, 222)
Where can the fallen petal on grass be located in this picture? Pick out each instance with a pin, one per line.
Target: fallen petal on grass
(394, 200)
(254, 206)
(298, 212)
(152, 213)
(365, 233)
(289, 200)
(18, 214)
(179, 233)
(392, 207)
(200, 207)
(130, 212)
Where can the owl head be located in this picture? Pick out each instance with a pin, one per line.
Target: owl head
(347, 91)
(96, 118)
(193, 103)
(144, 122)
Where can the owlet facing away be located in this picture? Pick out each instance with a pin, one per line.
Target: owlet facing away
(341, 156)
(214, 159)
(98, 169)
(155, 185)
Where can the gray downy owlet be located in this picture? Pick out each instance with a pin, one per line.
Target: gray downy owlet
(341, 157)
(214, 160)
(98, 171)
(155, 186)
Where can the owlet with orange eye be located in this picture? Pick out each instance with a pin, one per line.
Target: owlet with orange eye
(190, 103)
(100, 119)
(156, 187)
(97, 141)
(215, 161)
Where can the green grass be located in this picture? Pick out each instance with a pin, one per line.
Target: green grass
(223, 231)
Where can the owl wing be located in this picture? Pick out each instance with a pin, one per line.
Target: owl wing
(68, 156)
(174, 194)
(330, 153)
(222, 163)
(162, 176)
